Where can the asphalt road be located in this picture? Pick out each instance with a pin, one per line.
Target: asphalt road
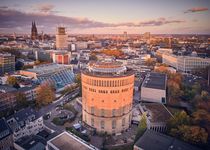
(52, 107)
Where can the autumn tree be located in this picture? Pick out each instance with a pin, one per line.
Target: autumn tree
(162, 69)
(202, 118)
(45, 94)
(93, 57)
(204, 95)
(79, 83)
(11, 80)
(192, 134)
(115, 52)
(150, 62)
(182, 127)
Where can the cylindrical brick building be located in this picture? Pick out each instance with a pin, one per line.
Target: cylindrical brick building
(107, 95)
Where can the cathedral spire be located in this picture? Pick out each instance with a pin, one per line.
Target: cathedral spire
(34, 33)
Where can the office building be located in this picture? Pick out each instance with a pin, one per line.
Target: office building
(185, 64)
(153, 88)
(61, 38)
(107, 96)
(7, 63)
(6, 139)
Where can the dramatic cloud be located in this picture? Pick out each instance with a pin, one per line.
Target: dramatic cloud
(196, 9)
(13, 19)
(3, 7)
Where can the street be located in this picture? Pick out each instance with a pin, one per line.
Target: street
(51, 108)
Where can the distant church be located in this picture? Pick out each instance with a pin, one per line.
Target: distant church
(34, 33)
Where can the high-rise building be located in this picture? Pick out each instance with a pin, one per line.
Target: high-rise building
(34, 32)
(61, 38)
(125, 35)
(7, 63)
(107, 95)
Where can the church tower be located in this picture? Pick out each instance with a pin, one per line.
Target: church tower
(34, 33)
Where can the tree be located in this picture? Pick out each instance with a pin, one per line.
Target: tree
(141, 127)
(11, 80)
(45, 94)
(150, 62)
(115, 53)
(78, 79)
(204, 95)
(93, 57)
(162, 69)
(202, 118)
(180, 118)
(21, 100)
(192, 134)
(174, 89)
(196, 88)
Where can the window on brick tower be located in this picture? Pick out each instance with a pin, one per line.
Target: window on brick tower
(113, 124)
(102, 112)
(113, 112)
(92, 110)
(123, 122)
(102, 124)
(92, 122)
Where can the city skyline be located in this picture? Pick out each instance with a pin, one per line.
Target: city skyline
(106, 17)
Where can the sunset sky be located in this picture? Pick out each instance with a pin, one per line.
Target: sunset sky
(106, 16)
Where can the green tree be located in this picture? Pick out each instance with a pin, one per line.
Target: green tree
(141, 127)
(180, 118)
(45, 95)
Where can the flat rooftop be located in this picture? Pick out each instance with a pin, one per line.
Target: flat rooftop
(68, 141)
(47, 68)
(157, 111)
(151, 139)
(155, 80)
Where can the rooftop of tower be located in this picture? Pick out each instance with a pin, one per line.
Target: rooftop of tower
(107, 68)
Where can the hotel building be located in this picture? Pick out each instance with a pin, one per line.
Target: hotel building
(107, 95)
